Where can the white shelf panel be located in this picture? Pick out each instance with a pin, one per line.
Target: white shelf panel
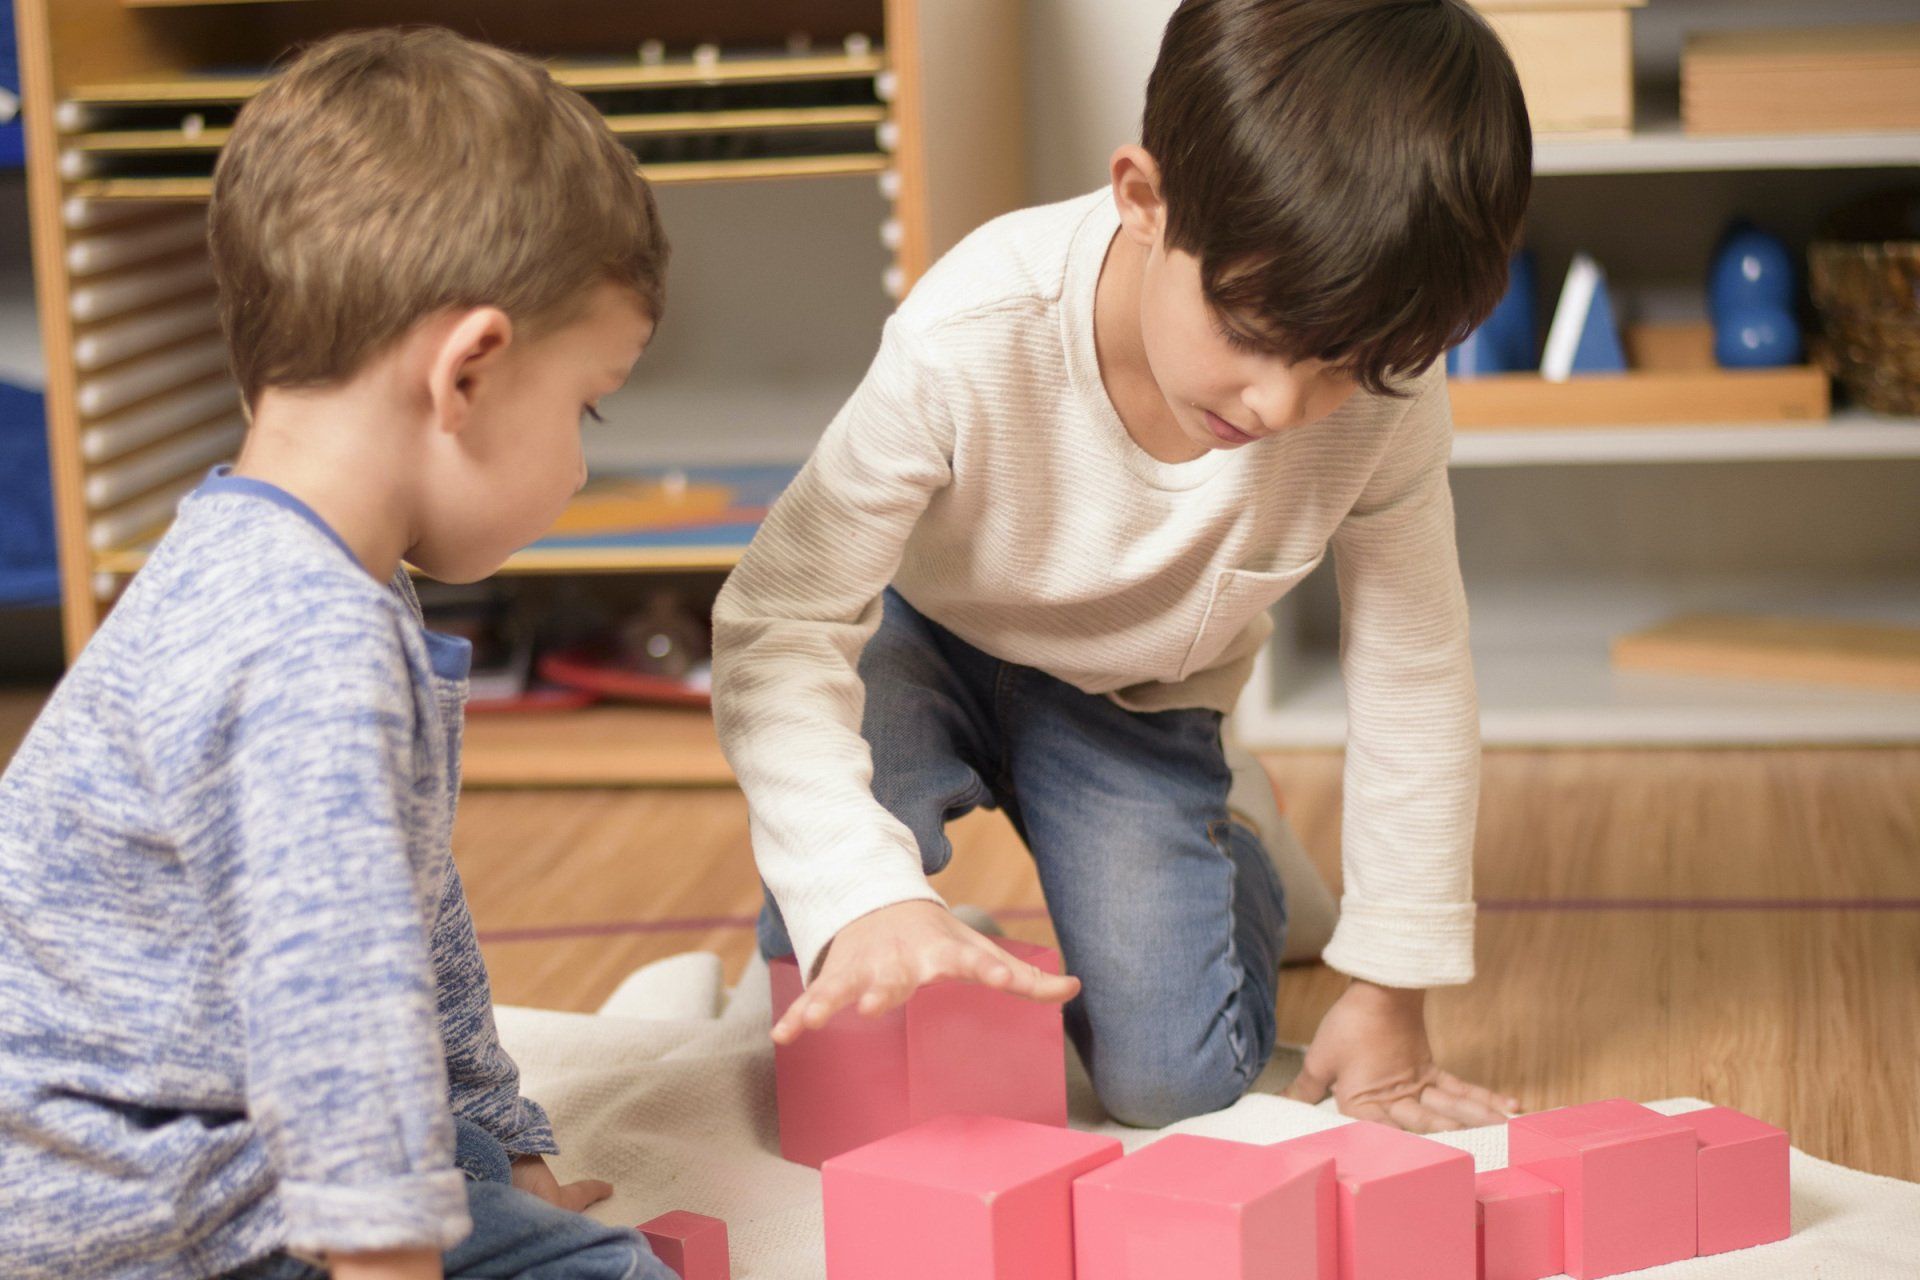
(1849, 435)
(1663, 148)
(1541, 658)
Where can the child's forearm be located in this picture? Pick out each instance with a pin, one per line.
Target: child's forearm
(389, 1264)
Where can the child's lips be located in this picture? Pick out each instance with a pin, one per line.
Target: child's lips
(1225, 431)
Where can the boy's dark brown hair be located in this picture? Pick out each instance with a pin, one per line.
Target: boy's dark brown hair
(389, 174)
(1351, 174)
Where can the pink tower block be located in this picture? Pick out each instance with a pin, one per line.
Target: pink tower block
(959, 1198)
(1742, 1178)
(1628, 1174)
(1405, 1204)
(694, 1245)
(1522, 1225)
(1193, 1206)
(954, 1047)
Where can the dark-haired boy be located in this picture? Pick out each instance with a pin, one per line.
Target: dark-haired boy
(1030, 562)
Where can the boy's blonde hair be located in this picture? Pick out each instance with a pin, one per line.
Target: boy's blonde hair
(386, 175)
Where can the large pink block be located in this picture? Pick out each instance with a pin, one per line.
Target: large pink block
(1628, 1176)
(954, 1047)
(694, 1245)
(1741, 1172)
(1522, 1225)
(959, 1198)
(1206, 1207)
(1405, 1203)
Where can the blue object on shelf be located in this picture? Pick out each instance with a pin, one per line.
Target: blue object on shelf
(29, 573)
(1599, 349)
(1756, 337)
(1504, 342)
(13, 151)
(1750, 268)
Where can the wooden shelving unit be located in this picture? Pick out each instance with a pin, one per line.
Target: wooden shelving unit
(128, 104)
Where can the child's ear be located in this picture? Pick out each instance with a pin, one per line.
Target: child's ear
(1136, 193)
(464, 363)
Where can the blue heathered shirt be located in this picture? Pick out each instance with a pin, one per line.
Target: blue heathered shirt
(240, 994)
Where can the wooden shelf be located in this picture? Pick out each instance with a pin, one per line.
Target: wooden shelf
(1555, 683)
(604, 746)
(188, 90)
(148, 190)
(1850, 435)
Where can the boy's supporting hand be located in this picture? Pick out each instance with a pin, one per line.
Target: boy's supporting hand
(1371, 1053)
(530, 1173)
(882, 958)
(389, 1264)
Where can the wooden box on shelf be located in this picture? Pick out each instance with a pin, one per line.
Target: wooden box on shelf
(1819, 80)
(1575, 59)
(1673, 380)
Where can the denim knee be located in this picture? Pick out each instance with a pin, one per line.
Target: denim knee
(619, 1259)
(1153, 1092)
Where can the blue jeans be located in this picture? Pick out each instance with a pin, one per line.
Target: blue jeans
(1167, 909)
(516, 1235)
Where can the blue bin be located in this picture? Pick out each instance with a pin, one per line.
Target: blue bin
(29, 571)
(13, 152)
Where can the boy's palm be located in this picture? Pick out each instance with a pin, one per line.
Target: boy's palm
(1371, 1053)
(878, 961)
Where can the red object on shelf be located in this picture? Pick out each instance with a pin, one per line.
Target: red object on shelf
(603, 676)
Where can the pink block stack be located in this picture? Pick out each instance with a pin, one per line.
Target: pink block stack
(1521, 1225)
(1405, 1203)
(694, 1245)
(1741, 1175)
(953, 1048)
(1628, 1175)
(1206, 1207)
(959, 1198)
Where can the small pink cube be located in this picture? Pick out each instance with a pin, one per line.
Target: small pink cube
(1522, 1225)
(959, 1198)
(1193, 1206)
(954, 1047)
(1742, 1179)
(1628, 1174)
(1405, 1203)
(694, 1245)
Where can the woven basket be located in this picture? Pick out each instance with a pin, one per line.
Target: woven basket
(1868, 296)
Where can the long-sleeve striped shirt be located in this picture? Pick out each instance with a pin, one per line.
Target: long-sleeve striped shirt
(240, 992)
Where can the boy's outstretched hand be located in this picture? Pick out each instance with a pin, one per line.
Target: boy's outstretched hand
(1371, 1053)
(879, 960)
(530, 1173)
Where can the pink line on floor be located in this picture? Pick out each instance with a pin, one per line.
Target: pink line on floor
(694, 924)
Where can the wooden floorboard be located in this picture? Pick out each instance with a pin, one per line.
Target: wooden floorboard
(1740, 925)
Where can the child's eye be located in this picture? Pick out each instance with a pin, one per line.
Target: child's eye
(1236, 339)
(588, 411)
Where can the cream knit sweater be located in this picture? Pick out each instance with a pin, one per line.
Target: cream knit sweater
(982, 470)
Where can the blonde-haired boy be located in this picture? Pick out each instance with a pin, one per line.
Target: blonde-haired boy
(245, 1028)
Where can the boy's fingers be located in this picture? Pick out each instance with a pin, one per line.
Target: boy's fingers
(1307, 1087)
(1479, 1095)
(1416, 1117)
(1467, 1112)
(580, 1195)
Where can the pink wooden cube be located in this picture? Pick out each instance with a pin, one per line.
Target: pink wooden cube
(1193, 1206)
(1522, 1225)
(694, 1245)
(1405, 1203)
(1742, 1179)
(959, 1198)
(1628, 1176)
(954, 1047)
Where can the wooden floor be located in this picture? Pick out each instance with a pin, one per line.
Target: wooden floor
(1740, 925)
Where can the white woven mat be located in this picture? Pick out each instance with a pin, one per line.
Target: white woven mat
(667, 1093)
